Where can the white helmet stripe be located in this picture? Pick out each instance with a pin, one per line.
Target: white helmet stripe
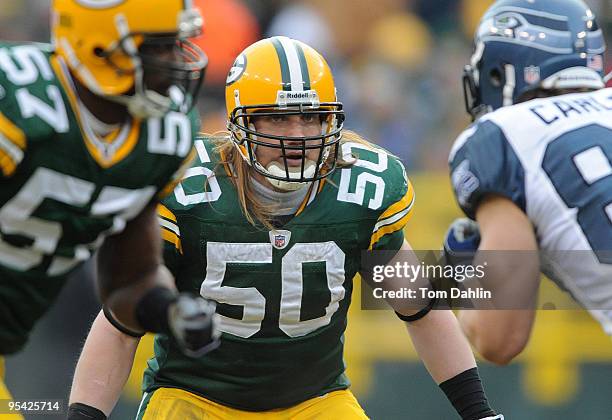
(293, 61)
(100, 4)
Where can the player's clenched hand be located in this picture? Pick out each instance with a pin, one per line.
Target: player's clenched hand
(461, 242)
(194, 324)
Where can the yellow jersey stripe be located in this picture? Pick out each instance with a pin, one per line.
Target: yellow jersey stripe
(13, 151)
(164, 212)
(126, 148)
(172, 238)
(400, 224)
(7, 165)
(392, 219)
(10, 155)
(12, 132)
(170, 226)
(399, 205)
(167, 190)
(178, 175)
(129, 141)
(112, 136)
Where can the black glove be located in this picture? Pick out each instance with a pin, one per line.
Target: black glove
(194, 324)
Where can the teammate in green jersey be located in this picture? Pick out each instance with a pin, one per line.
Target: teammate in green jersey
(94, 130)
(265, 226)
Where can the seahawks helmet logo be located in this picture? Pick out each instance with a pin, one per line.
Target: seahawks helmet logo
(99, 4)
(236, 70)
(506, 21)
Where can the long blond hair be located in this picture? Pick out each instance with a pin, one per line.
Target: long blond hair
(241, 173)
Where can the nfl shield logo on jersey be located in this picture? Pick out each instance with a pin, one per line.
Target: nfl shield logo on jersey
(464, 181)
(280, 238)
(532, 74)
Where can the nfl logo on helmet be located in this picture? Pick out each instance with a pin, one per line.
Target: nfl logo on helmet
(595, 62)
(532, 74)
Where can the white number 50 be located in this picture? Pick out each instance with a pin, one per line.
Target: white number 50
(218, 254)
(363, 178)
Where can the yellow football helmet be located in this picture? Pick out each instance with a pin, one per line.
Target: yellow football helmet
(282, 75)
(115, 47)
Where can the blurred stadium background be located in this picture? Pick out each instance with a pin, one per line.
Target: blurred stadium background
(398, 65)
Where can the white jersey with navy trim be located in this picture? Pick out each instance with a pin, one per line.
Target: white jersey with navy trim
(553, 158)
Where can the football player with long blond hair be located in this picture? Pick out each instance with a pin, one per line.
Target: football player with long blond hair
(270, 223)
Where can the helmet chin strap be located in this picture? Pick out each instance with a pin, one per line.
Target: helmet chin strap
(508, 92)
(144, 103)
(274, 168)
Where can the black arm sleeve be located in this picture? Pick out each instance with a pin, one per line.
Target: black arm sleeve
(466, 394)
(78, 411)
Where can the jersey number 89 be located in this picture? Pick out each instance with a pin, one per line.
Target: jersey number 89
(585, 182)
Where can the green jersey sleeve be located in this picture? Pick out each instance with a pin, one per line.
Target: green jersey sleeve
(388, 231)
(377, 181)
(178, 174)
(31, 105)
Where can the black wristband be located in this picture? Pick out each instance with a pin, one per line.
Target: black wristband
(78, 411)
(152, 310)
(466, 394)
(125, 330)
(420, 314)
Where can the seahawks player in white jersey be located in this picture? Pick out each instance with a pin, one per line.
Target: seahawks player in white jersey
(536, 173)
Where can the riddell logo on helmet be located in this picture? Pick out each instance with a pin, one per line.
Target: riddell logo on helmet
(298, 95)
(308, 96)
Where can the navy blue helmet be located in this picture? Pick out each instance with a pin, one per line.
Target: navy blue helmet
(528, 45)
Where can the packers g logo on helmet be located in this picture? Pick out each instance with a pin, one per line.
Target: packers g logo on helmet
(275, 76)
(115, 47)
(236, 70)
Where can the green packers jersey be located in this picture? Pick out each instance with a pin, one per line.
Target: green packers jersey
(283, 295)
(64, 189)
